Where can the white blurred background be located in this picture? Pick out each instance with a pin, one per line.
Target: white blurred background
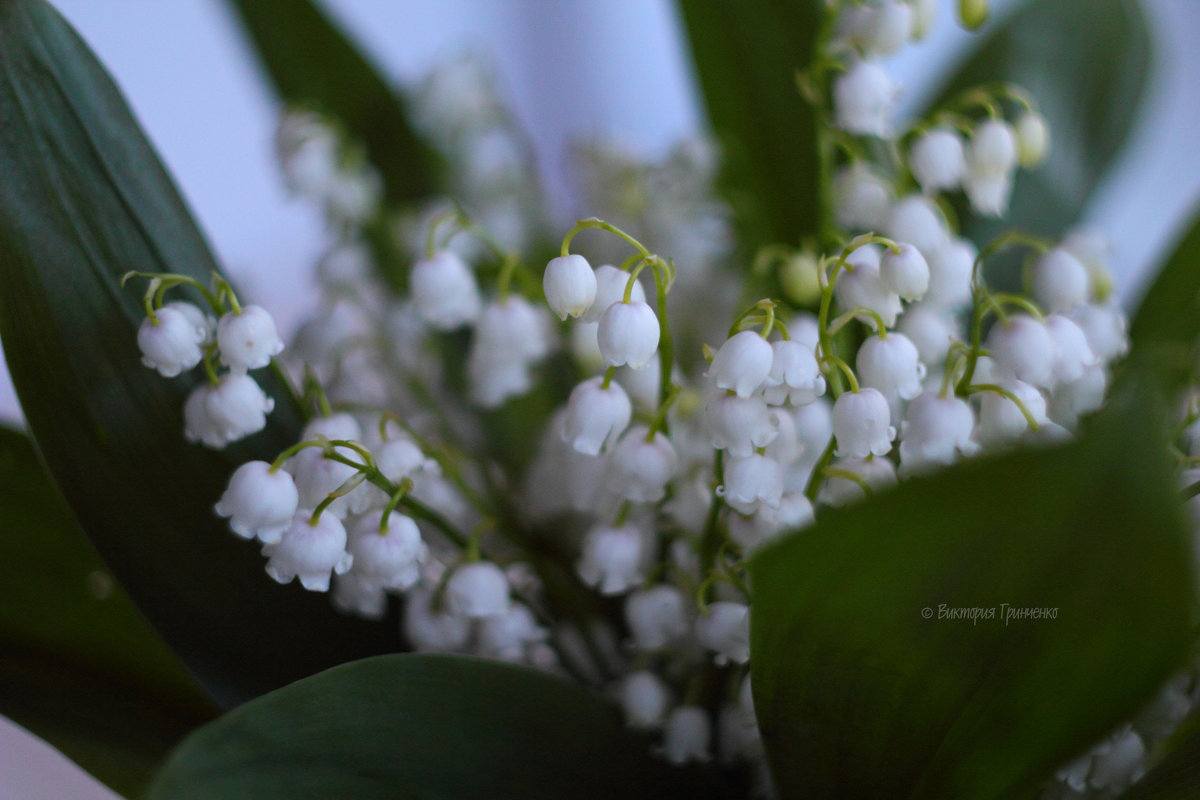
(569, 69)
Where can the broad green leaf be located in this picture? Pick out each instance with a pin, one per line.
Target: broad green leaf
(746, 54)
(428, 726)
(866, 688)
(312, 63)
(1053, 49)
(83, 198)
(1167, 323)
(79, 666)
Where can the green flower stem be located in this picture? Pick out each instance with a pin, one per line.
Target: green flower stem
(814, 480)
(850, 476)
(1191, 491)
(711, 538)
(845, 368)
(169, 280)
(593, 222)
(1000, 390)
(666, 347)
(404, 488)
(608, 376)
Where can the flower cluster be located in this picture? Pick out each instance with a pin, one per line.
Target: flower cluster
(615, 552)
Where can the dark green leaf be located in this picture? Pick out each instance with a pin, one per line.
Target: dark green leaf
(428, 726)
(1167, 323)
(1053, 49)
(79, 666)
(859, 695)
(312, 63)
(83, 198)
(746, 55)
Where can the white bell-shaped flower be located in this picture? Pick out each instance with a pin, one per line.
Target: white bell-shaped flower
(863, 98)
(353, 595)
(1060, 281)
(259, 503)
(642, 385)
(876, 473)
(1094, 250)
(308, 153)
(444, 291)
(170, 341)
(317, 477)
(570, 285)
(610, 288)
(931, 329)
(596, 415)
(248, 340)
(936, 430)
(1073, 399)
(937, 159)
(237, 406)
(400, 457)
(862, 424)
(687, 736)
(795, 376)
(917, 220)
(1033, 139)
(628, 334)
(512, 329)
(389, 557)
(891, 364)
(585, 346)
(353, 194)
(991, 159)
(431, 630)
(751, 482)
(883, 29)
(336, 426)
(200, 319)
(859, 285)
(724, 629)
(739, 425)
(493, 381)
(1072, 353)
(644, 698)
(742, 363)
(1118, 761)
(1000, 419)
(905, 272)
(950, 271)
(507, 637)
(310, 551)
(1105, 327)
(639, 470)
(477, 590)
(612, 558)
(198, 426)
(657, 616)
(794, 512)
(1022, 346)
(861, 198)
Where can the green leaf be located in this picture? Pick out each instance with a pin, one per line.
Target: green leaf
(428, 726)
(1090, 102)
(312, 63)
(83, 198)
(747, 53)
(1167, 323)
(860, 695)
(79, 666)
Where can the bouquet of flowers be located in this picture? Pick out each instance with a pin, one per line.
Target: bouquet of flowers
(820, 462)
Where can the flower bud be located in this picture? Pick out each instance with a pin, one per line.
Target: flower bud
(656, 616)
(1060, 281)
(861, 424)
(259, 503)
(973, 13)
(1033, 139)
(477, 590)
(570, 285)
(883, 29)
(905, 272)
(596, 416)
(891, 365)
(863, 97)
(937, 159)
(248, 340)
(628, 334)
(170, 342)
(444, 291)
(610, 288)
(742, 363)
